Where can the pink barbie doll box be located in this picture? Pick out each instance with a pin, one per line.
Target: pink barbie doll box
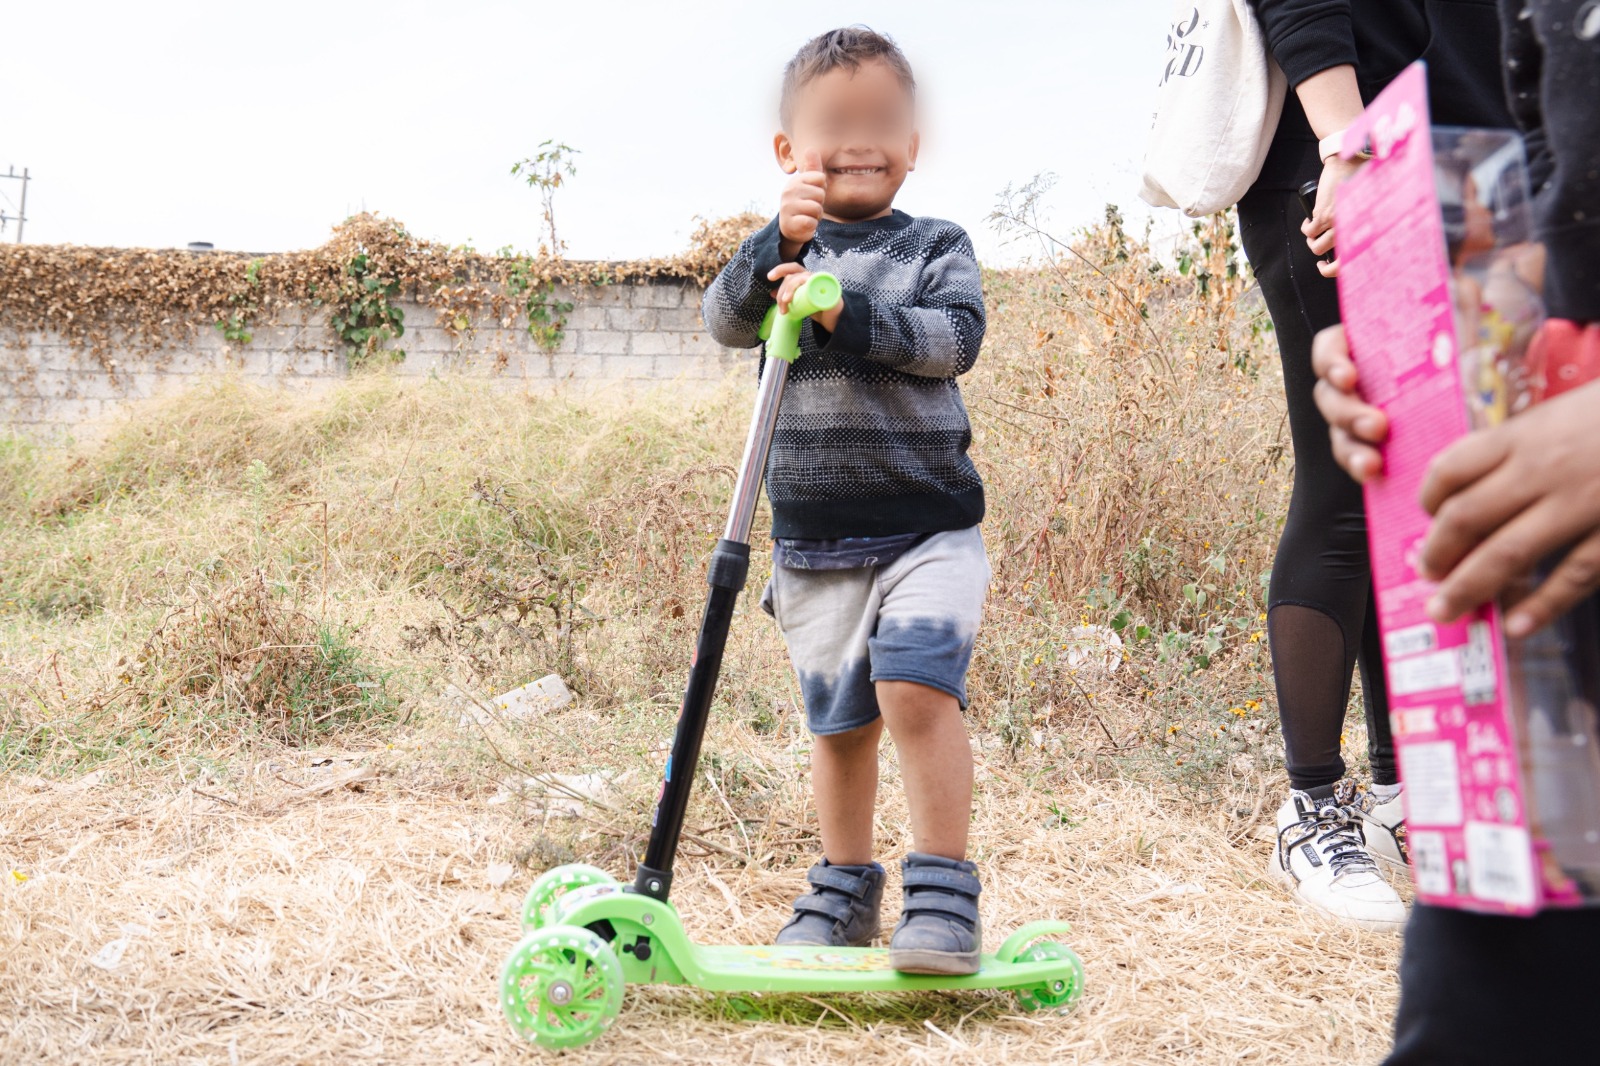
(1497, 743)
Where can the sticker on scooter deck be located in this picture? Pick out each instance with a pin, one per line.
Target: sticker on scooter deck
(823, 960)
(780, 968)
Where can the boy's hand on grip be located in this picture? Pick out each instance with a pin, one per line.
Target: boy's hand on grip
(800, 206)
(790, 276)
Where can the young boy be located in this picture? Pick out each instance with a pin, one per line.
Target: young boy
(880, 571)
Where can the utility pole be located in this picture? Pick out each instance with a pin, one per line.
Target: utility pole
(21, 216)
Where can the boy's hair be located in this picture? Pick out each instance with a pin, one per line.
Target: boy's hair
(849, 48)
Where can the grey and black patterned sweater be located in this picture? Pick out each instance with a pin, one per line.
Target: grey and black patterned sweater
(872, 435)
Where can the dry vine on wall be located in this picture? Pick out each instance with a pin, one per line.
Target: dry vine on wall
(148, 299)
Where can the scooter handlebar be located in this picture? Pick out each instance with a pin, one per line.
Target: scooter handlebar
(819, 293)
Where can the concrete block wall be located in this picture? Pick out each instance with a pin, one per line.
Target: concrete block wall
(617, 336)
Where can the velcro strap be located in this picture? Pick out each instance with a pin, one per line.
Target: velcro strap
(943, 878)
(836, 879)
(928, 901)
(831, 906)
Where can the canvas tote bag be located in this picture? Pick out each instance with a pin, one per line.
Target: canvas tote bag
(1217, 107)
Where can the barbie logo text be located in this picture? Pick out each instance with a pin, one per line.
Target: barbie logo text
(1391, 130)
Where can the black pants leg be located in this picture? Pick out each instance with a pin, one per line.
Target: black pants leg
(1497, 991)
(1320, 614)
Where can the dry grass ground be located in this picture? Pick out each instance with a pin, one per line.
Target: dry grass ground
(269, 926)
(242, 817)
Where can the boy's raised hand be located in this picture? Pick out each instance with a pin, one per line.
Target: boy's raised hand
(800, 206)
(790, 276)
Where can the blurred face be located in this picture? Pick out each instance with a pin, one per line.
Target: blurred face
(862, 126)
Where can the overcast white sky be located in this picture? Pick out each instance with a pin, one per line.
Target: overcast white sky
(258, 126)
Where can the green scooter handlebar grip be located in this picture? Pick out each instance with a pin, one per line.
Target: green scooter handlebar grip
(821, 292)
(782, 332)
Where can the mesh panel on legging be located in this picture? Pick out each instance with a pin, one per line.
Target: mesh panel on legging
(1312, 669)
(1320, 601)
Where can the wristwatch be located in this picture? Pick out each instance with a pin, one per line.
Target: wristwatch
(1333, 144)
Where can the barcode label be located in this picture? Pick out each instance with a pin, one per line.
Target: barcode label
(1411, 640)
(1425, 673)
(1430, 863)
(1432, 774)
(1499, 863)
(1479, 678)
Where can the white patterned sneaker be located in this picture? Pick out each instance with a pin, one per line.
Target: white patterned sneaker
(1322, 858)
(1383, 825)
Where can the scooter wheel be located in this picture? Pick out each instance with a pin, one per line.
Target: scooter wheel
(552, 885)
(561, 987)
(1059, 992)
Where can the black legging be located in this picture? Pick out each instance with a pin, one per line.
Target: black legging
(1320, 618)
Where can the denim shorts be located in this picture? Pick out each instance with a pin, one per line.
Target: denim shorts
(912, 620)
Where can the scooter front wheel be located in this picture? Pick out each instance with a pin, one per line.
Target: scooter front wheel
(552, 885)
(561, 987)
(1059, 992)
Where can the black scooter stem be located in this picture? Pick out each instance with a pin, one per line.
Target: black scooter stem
(730, 567)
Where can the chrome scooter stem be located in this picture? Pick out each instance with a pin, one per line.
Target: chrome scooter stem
(758, 442)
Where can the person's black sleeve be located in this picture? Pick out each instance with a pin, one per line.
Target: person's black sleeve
(1524, 66)
(1307, 37)
(1553, 56)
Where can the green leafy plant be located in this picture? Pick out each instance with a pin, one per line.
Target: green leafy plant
(365, 316)
(547, 316)
(1217, 238)
(547, 170)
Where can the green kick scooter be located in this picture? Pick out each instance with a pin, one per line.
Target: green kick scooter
(586, 936)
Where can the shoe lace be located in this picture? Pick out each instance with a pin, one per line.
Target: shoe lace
(1336, 835)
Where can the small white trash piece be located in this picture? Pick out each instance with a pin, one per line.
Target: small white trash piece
(562, 795)
(566, 795)
(535, 698)
(520, 704)
(1094, 649)
(110, 955)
